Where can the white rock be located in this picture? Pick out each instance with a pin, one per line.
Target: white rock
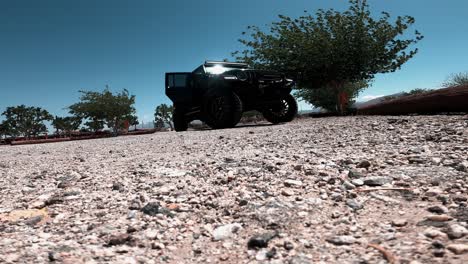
(303, 214)
(151, 234)
(341, 240)
(456, 231)
(399, 222)
(357, 182)
(458, 248)
(226, 231)
(433, 233)
(164, 190)
(292, 183)
(261, 254)
(433, 192)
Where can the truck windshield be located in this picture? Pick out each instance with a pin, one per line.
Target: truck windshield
(219, 69)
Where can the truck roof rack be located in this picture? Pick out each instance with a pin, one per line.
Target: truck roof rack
(226, 63)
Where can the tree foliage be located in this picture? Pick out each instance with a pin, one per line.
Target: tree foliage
(65, 125)
(104, 108)
(331, 49)
(163, 115)
(3, 130)
(417, 91)
(457, 79)
(94, 125)
(25, 121)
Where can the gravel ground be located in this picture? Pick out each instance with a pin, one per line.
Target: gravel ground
(331, 190)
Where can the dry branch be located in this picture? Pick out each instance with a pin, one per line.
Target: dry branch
(387, 254)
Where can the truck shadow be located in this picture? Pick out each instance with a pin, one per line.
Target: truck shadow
(255, 125)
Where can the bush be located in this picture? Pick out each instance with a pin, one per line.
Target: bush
(412, 92)
(456, 79)
(417, 91)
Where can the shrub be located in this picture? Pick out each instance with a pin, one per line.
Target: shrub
(456, 79)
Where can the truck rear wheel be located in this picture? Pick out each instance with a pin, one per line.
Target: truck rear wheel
(179, 119)
(283, 111)
(223, 110)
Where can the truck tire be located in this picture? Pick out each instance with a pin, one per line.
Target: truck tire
(222, 110)
(238, 110)
(284, 111)
(178, 117)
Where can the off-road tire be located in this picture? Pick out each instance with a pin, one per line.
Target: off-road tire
(222, 110)
(285, 111)
(238, 110)
(179, 119)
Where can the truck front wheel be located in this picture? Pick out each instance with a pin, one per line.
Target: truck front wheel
(283, 111)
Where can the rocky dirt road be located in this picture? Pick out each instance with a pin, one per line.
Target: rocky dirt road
(331, 190)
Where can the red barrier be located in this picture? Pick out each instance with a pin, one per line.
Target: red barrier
(74, 136)
(39, 141)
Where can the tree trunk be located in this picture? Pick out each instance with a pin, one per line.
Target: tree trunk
(343, 101)
(116, 127)
(171, 125)
(341, 96)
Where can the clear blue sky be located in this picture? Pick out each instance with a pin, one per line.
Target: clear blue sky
(50, 49)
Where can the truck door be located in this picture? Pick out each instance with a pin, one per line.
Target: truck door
(178, 87)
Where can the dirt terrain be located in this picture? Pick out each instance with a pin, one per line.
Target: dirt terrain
(331, 190)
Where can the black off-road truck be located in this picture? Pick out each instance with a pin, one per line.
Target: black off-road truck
(217, 93)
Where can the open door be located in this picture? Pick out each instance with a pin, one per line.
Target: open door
(178, 86)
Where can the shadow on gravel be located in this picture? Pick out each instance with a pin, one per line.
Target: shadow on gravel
(257, 125)
(236, 127)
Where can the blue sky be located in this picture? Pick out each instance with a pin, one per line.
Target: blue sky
(50, 49)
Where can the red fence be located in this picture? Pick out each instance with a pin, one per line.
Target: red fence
(72, 136)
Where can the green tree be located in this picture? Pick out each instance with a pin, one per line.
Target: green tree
(104, 108)
(163, 115)
(26, 121)
(457, 79)
(65, 125)
(331, 49)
